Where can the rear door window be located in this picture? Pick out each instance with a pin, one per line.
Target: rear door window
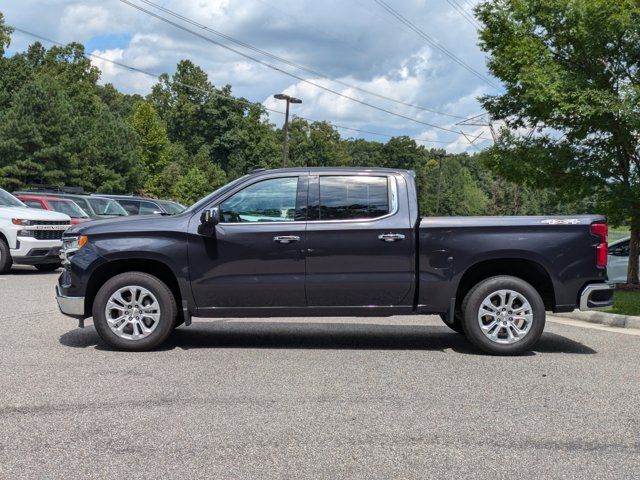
(353, 197)
(148, 208)
(131, 206)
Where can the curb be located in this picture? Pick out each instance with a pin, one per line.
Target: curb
(603, 318)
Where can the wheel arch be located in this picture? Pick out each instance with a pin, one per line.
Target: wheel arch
(530, 271)
(110, 269)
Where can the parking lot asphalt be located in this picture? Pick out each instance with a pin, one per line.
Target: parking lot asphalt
(400, 397)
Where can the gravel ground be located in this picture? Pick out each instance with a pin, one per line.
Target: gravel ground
(345, 398)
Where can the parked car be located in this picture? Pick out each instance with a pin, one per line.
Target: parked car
(29, 236)
(618, 261)
(96, 207)
(331, 242)
(145, 206)
(62, 205)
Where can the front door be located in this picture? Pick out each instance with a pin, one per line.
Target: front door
(256, 257)
(359, 241)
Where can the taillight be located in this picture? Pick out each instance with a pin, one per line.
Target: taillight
(601, 230)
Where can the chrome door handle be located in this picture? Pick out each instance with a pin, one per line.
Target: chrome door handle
(286, 239)
(390, 237)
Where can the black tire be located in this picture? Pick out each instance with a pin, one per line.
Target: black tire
(48, 267)
(456, 326)
(5, 257)
(166, 301)
(471, 306)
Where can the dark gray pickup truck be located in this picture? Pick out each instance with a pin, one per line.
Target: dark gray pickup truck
(331, 242)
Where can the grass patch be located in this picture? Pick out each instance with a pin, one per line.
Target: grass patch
(625, 302)
(616, 233)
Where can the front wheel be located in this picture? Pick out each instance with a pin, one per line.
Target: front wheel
(134, 311)
(5, 257)
(503, 315)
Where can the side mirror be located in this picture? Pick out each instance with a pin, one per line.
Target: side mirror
(210, 216)
(208, 220)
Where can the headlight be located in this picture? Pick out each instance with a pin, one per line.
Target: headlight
(19, 221)
(71, 244)
(25, 233)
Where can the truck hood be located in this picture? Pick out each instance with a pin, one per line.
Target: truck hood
(132, 224)
(26, 213)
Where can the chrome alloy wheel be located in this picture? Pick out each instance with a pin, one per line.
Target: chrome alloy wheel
(132, 312)
(505, 316)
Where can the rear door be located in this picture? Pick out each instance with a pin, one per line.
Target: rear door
(359, 241)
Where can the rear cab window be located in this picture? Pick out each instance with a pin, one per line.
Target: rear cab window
(352, 197)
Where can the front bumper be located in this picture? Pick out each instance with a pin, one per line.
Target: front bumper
(596, 295)
(30, 251)
(71, 306)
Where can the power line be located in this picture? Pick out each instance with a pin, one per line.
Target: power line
(293, 75)
(289, 62)
(463, 13)
(293, 64)
(210, 92)
(433, 42)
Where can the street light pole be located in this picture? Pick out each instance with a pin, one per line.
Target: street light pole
(289, 99)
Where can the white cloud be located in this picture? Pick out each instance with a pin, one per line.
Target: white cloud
(356, 42)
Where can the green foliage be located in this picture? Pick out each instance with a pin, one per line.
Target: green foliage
(153, 142)
(5, 35)
(58, 126)
(191, 187)
(570, 71)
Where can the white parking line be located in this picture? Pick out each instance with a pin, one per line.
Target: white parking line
(594, 326)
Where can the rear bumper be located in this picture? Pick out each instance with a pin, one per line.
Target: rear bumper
(596, 295)
(71, 306)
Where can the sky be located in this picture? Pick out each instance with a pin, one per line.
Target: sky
(348, 43)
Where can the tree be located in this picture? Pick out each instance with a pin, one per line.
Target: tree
(192, 187)
(35, 137)
(5, 35)
(153, 144)
(570, 71)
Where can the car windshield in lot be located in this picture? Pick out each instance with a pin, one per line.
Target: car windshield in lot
(172, 208)
(68, 207)
(106, 206)
(8, 200)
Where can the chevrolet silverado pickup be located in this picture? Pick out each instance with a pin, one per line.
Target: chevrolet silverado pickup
(29, 236)
(315, 242)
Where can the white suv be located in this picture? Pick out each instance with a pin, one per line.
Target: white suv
(29, 236)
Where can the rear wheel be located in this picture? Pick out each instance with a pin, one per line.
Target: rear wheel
(5, 257)
(503, 315)
(48, 267)
(134, 311)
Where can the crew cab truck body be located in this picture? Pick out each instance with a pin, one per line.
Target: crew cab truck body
(331, 242)
(29, 236)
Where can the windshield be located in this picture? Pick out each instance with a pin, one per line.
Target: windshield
(69, 207)
(172, 208)
(106, 206)
(8, 200)
(224, 188)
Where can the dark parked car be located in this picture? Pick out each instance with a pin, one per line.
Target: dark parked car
(331, 242)
(145, 206)
(96, 207)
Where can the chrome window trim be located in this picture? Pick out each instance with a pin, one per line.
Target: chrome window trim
(393, 200)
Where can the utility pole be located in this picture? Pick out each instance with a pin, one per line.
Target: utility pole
(439, 183)
(282, 96)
